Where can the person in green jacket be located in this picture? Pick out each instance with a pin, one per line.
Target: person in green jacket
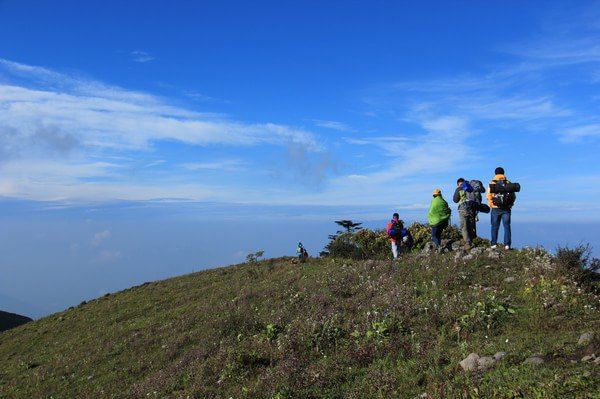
(439, 216)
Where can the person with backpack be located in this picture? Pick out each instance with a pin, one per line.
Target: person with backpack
(501, 199)
(464, 197)
(394, 230)
(302, 252)
(438, 216)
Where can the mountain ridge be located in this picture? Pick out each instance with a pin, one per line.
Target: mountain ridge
(10, 320)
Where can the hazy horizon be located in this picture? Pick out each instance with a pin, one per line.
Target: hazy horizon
(58, 256)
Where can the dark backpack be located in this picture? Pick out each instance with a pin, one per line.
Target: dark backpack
(396, 230)
(473, 190)
(502, 198)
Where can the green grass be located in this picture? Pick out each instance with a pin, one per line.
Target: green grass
(328, 328)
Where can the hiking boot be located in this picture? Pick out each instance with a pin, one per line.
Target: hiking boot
(507, 247)
(494, 246)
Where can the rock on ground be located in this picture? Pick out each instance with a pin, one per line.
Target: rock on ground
(589, 358)
(586, 339)
(485, 362)
(469, 363)
(460, 255)
(477, 251)
(533, 360)
(476, 362)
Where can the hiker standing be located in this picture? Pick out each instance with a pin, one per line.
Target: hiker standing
(501, 201)
(438, 216)
(394, 231)
(468, 199)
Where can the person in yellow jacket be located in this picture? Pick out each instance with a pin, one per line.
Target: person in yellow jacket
(501, 204)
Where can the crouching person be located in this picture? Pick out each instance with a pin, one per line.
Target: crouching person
(438, 216)
(301, 252)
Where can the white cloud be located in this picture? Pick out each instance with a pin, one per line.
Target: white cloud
(229, 165)
(334, 125)
(141, 56)
(64, 136)
(96, 121)
(440, 148)
(197, 96)
(581, 132)
(515, 108)
(155, 163)
(109, 116)
(100, 237)
(561, 52)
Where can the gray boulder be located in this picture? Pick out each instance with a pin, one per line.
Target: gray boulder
(475, 362)
(455, 246)
(585, 339)
(589, 358)
(460, 255)
(476, 251)
(429, 248)
(485, 362)
(469, 363)
(533, 360)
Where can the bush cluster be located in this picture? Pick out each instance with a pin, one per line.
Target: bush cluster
(375, 244)
(579, 263)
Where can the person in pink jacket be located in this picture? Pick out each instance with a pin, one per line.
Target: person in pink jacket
(394, 231)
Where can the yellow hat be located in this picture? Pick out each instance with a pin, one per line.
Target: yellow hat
(437, 191)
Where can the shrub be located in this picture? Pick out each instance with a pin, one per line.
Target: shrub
(421, 233)
(363, 244)
(254, 257)
(375, 244)
(580, 264)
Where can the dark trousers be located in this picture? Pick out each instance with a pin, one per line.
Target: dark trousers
(499, 215)
(436, 232)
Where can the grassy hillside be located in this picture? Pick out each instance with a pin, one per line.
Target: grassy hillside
(325, 329)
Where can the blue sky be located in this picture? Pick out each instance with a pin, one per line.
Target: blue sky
(279, 110)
